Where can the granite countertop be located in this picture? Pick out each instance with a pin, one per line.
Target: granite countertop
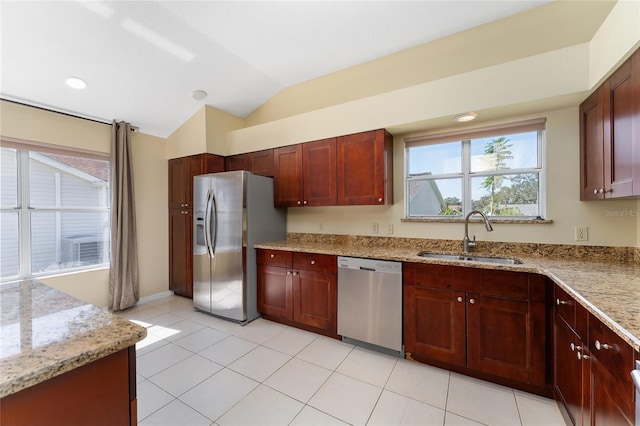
(609, 289)
(45, 333)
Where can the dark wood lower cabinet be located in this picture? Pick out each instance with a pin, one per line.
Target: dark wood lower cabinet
(499, 336)
(102, 392)
(181, 252)
(298, 289)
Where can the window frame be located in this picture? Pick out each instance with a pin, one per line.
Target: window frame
(24, 210)
(466, 175)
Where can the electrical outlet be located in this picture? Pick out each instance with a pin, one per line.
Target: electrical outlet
(321, 226)
(582, 233)
(374, 228)
(389, 228)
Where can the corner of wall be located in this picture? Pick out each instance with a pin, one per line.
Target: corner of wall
(218, 126)
(190, 138)
(615, 40)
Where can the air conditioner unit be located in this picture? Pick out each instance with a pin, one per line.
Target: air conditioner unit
(84, 249)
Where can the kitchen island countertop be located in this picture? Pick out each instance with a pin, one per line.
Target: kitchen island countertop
(45, 333)
(610, 290)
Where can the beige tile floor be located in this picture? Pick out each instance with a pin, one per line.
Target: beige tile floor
(195, 369)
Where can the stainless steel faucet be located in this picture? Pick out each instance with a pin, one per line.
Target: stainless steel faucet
(466, 243)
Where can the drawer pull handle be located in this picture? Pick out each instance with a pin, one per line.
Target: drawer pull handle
(600, 346)
(561, 302)
(313, 262)
(459, 298)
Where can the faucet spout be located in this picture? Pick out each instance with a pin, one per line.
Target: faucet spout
(466, 243)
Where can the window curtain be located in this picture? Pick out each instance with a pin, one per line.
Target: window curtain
(123, 274)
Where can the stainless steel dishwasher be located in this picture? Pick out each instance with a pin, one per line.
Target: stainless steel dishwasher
(370, 303)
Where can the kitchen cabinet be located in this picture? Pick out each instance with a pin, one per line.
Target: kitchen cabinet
(610, 136)
(305, 174)
(181, 173)
(592, 381)
(611, 387)
(102, 392)
(257, 162)
(298, 289)
(571, 359)
(486, 323)
(365, 168)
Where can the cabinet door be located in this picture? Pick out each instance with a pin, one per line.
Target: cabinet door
(568, 368)
(592, 148)
(181, 251)
(287, 176)
(315, 299)
(275, 294)
(262, 163)
(319, 173)
(365, 174)
(506, 338)
(181, 172)
(238, 162)
(434, 324)
(619, 107)
(608, 405)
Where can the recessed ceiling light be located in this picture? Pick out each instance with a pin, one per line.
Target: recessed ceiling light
(199, 95)
(468, 116)
(75, 82)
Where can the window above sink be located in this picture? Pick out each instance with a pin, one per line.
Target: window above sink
(497, 170)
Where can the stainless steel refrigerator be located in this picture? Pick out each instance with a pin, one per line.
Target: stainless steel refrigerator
(232, 212)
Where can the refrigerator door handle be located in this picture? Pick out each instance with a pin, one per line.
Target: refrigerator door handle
(214, 216)
(207, 223)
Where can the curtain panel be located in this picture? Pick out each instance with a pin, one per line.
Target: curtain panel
(123, 273)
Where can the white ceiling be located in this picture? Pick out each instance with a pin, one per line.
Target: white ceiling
(143, 59)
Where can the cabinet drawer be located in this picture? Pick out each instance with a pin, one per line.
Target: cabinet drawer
(615, 355)
(565, 306)
(505, 284)
(434, 276)
(275, 258)
(315, 262)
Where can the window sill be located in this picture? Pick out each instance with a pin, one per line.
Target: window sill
(529, 221)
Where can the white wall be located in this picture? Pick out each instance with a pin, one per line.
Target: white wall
(564, 206)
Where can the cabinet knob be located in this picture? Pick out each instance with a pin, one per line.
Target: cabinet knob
(459, 298)
(380, 199)
(295, 273)
(595, 191)
(288, 272)
(313, 262)
(299, 202)
(606, 190)
(600, 346)
(572, 346)
(561, 302)
(582, 356)
(272, 255)
(304, 202)
(472, 301)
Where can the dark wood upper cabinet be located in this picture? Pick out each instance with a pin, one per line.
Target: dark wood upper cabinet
(610, 136)
(257, 162)
(181, 173)
(319, 173)
(287, 176)
(305, 174)
(365, 168)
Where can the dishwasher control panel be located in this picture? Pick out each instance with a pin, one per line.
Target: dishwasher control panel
(377, 265)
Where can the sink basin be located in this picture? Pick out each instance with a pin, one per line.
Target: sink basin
(503, 260)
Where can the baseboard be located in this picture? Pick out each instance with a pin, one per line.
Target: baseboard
(156, 296)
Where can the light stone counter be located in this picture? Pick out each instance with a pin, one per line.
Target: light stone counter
(45, 333)
(605, 285)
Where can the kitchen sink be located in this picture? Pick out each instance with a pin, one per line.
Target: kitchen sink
(470, 258)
